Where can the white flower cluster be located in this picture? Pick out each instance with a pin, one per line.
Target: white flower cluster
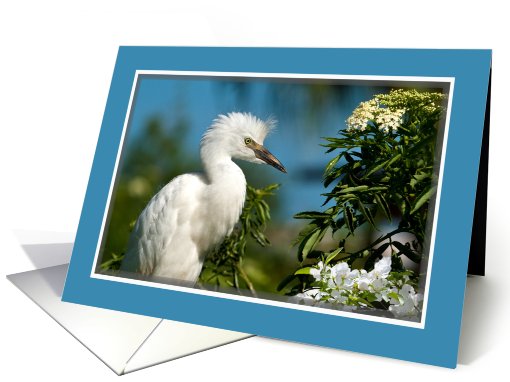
(353, 288)
(363, 114)
(385, 118)
(388, 119)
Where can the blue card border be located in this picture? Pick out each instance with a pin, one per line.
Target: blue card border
(437, 342)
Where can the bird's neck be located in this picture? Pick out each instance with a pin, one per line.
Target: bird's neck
(220, 168)
(226, 193)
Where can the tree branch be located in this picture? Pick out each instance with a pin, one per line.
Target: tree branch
(246, 279)
(378, 241)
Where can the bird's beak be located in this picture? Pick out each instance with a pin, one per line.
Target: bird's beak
(263, 154)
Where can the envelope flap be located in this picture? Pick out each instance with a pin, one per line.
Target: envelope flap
(112, 336)
(172, 339)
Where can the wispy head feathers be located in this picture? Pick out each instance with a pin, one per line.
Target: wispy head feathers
(244, 124)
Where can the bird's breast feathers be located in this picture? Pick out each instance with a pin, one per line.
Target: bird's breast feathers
(181, 223)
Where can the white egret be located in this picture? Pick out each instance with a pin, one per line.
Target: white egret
(194, 212)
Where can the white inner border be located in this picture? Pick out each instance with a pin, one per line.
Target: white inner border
(289, 305)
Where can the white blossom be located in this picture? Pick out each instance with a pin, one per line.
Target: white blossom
(338, 296)
(382, 268)
(408, 307)
(375, 112)
(385, 118)
(387, 111)
(315, 294)
(380, 288)
(341, 285)
(317, 273)
(343, 277)
(365, 280)
(363, 114)
(340, 270)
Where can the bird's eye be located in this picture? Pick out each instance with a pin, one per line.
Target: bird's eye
(247, 141)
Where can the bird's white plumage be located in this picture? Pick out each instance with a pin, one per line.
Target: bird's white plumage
(194, 212)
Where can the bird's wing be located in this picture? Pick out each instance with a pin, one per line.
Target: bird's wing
(158, 223)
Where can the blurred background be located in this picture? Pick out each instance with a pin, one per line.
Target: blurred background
(170, 114)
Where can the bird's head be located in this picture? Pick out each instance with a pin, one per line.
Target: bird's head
(240, 136)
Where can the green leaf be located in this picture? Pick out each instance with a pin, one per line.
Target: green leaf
(261, 212)
(349, 158)
(328, 199)
(378, 188)
(315, 254)
(307, 243)
(311, 215)
(393, 160)
(420, 176)
(381, 202)
(332, 255)
(423, 198)
(396, 296)
(339, 141)
(339, 224)
(303, 271)
(375, 169)
(353, 189)
(397, 264)
(334, 174)
(259, 238)
(341, 196)
(364, 301)
(266, 209)
(271, 187)
(366, 212)
(407, 251)
(332, 164)
(349, 219)
(286, 281)
(307, 230)
(371, 297)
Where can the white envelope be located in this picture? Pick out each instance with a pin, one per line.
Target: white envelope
(124, 342)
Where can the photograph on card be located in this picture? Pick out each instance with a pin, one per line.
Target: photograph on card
(308, 192)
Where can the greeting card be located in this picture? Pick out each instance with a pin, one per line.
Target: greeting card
(325, 196)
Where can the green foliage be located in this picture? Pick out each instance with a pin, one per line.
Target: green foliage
(113, 263)
(224, 265)
(383, 166)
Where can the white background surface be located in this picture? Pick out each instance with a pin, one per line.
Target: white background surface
(57, 59)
